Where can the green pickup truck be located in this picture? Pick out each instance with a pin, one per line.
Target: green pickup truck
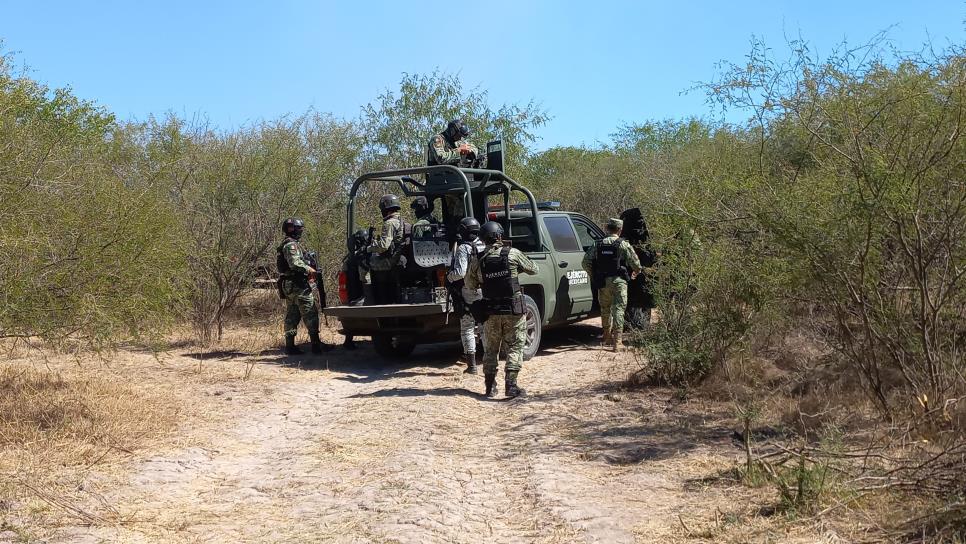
(556, 240)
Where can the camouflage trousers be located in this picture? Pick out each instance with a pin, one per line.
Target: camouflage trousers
(498, 330)
(300, 307)
(613, 301)
(468, 333)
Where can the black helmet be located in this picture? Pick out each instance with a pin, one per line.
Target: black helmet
(491, 231)
(388, 202)
(421, 206)
(469, 228)
(457, 129)
(293, 227)
(360, 238)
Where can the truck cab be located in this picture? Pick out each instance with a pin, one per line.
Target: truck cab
(559, 294)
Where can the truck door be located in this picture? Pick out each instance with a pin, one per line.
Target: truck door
(573, 294)
(587, 233)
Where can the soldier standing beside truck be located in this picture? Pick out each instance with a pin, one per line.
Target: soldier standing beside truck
(469, 246)
(496, 271)
(607, 262)
(296, 278)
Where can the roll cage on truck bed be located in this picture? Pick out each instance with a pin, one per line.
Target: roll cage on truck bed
(559, 294)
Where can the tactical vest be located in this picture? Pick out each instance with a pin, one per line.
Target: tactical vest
(280, 261)
(609, 260)
(401, 243)
(458, 284)
(501, 289)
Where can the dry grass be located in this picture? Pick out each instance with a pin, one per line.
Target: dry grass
(56, 427)
(71, 424)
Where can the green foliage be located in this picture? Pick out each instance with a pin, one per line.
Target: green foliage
(234, 190)
(399, 126)
(84, 253)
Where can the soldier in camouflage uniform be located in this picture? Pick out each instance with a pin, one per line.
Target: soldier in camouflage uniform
(496, 271)
(607, 262)
(470, 245)
(423, 210)
(296, 285)
(385, 251)
(451, 146)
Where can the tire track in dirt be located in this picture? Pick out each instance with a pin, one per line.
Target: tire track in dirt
(414, 454)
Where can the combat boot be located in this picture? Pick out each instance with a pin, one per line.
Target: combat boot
(317, 345)
(471, 367)
(490, 381)
(605, 339)
(618, 342)
(512, 390)
(290, 347)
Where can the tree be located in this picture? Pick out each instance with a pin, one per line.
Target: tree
(85, 253)
(399, 126)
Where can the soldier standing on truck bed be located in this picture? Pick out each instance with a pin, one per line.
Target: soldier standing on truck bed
(607, 262)
(425, 220)
(296, 277)
(386, 249)
(469, 246)
(496, 270)
(451, 146)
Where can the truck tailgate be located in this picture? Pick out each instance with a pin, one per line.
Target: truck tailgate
(386, 310)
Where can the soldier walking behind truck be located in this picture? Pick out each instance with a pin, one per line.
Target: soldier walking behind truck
(607, 263)
(469, 246)
(496, 271)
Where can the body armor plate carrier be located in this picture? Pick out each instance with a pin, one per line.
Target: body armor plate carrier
(501, 290)
(609, 261)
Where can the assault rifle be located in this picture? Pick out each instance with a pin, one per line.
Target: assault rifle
(316, 282)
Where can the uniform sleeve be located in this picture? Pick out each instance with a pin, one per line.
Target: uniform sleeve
(588, 261)
(460, 263)
(630, 256)
(524, 264)
(473, 277)
(383, 242)
(437, 148)
(294, 257)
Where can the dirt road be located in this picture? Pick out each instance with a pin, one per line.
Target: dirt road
(351, 450)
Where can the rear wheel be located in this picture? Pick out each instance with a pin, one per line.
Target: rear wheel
(393, 347)
(534, 328)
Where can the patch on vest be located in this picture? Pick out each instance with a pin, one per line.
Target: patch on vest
(497, 274)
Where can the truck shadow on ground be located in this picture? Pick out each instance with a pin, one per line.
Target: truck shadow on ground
(364, 365)
(441, 356)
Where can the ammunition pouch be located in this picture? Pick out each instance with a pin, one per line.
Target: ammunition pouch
(479, 311)
(456, 295)
(281, 288)
(506, 306)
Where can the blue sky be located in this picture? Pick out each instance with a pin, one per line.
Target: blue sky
(592, 65)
